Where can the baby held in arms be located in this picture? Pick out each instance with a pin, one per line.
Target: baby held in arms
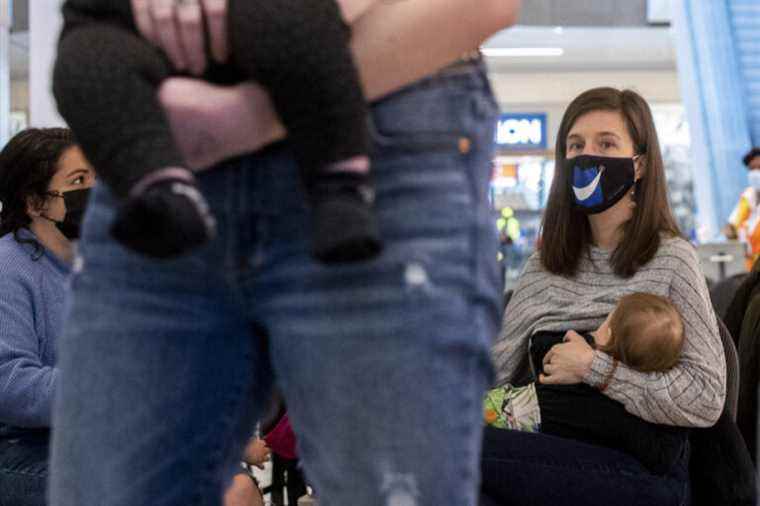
(644, 332)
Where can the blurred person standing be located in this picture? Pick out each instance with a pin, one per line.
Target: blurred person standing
(744, 222)
(382, 364)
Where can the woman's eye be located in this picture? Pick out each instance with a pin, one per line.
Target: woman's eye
(79, 180)
(574, 147)
(607, 145)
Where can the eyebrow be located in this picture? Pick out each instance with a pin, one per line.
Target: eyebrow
(600, 134)
(76, 171)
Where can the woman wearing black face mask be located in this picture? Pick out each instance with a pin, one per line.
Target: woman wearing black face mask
(607, 231)
(44, 180)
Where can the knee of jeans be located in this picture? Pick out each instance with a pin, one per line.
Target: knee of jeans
(399, 489)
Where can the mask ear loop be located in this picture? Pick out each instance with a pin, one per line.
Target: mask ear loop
(56, 194)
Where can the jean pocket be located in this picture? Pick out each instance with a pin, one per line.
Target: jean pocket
(387, 142)
(429, 119)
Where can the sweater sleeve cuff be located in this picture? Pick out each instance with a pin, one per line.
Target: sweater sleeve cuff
(601, 367)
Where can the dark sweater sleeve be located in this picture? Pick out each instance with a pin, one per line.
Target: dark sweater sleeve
(579, 412)
(26, 385)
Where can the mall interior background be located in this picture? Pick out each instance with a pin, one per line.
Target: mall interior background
(696, 62)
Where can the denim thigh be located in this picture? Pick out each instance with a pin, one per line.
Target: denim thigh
(384, 364)
(159, 374)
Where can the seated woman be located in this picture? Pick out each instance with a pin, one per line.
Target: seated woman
(44, 182)
(44, 186)
(645, 332)
(607, 231)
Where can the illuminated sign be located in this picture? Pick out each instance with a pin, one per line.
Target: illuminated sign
(521, 132)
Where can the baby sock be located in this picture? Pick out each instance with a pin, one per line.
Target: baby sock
(344, 225)
(165, 215)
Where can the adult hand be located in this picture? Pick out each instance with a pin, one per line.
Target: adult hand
(257, 453)
(176, 26)
(569, 362)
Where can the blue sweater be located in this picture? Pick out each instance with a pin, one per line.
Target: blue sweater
(32, 294)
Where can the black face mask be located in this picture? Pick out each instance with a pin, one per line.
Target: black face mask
(76, 204)
(598, 182)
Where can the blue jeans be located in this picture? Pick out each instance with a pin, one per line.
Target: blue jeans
(23, 470)
(534, 469)
(166, 365)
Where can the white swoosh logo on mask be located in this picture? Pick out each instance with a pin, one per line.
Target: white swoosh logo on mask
(588, 190)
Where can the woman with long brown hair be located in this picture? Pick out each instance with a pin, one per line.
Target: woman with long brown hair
(608, 231)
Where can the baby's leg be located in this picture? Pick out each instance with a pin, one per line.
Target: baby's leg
(298, 49)
(105, 83)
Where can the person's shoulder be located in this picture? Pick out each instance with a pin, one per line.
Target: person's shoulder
(15, 259)
(533, 265)
(676, 246)
(676, 252)
(10, 247)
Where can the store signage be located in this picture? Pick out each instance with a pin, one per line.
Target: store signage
(521, 132)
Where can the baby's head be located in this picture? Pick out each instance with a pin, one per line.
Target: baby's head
(644, 332)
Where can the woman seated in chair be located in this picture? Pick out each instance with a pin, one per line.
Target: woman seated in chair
(607, 231)
(644, 332)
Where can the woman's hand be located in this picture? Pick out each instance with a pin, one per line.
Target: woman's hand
(569, 362)
(257, 453)
(176, 26)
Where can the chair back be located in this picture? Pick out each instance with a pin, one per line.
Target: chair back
(507, 297)
(732, 369)
(749, 377)
(722, 293)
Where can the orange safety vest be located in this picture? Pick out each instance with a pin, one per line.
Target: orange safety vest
(746, 220)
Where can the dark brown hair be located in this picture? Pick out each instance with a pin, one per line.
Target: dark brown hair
(646, 333)
(566, 233)
(751, 154)
(27, 165)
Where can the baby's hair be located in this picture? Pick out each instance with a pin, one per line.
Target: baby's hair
(646, 333)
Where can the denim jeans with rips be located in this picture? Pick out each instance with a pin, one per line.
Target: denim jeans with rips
(166, 365)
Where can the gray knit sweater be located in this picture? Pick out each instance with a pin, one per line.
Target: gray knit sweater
(691, 394)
